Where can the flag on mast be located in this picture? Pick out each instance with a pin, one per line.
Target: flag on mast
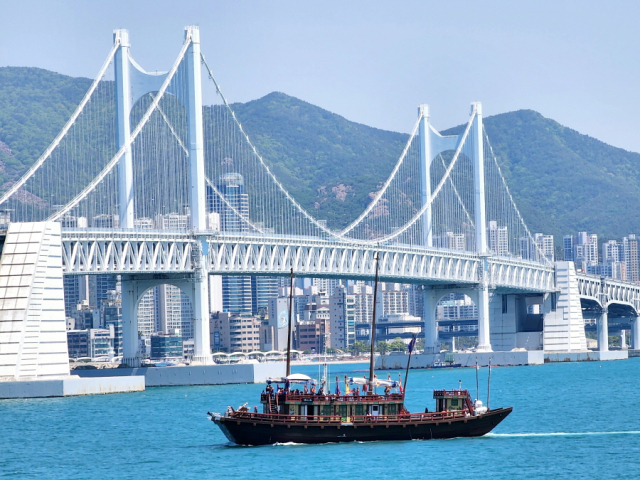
(412, 344)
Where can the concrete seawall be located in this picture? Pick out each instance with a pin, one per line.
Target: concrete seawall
(194, 375)
(70, 386)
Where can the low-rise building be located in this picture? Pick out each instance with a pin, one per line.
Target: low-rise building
(165, 347)
(92, 342)
(235, 332)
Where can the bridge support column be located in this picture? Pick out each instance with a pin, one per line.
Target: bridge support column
(603, 331)
(484, 336)
(123, 110)
(425, 173)
(130, 297)
(197, 191)
(201, 336)
(623, 340)
(431, 344)
(635, 333)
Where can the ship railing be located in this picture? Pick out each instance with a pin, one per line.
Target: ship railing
(293, 397)
(336, 419)
(450, 393)
(280, 417)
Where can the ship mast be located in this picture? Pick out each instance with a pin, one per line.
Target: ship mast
(289, 333)
(373, 326)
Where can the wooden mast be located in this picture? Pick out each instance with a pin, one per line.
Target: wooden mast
(289, 333)
(373, 326)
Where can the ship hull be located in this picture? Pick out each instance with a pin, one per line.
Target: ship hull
(254, 432)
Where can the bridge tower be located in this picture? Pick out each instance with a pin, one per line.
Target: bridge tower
(131, 84)
(477, 136)
(432, 144)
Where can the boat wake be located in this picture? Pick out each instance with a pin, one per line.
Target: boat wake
(560, 434)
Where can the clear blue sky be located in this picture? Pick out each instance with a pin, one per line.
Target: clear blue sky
(370, 61)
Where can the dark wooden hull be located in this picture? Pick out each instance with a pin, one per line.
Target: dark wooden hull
(259, 432)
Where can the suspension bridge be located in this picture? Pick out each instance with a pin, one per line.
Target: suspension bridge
(148, 183)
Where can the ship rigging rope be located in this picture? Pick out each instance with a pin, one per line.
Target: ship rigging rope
(114, 161)
(266, 167)
(424, 208)
(513, 203)
(209, 182)
(382, 191)
(56, 141)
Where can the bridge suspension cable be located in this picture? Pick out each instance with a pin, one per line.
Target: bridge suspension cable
(509, 209)
(445, 178)
(384, 188)
(114, 160)
(222, 197)
(72, 120)
(278, 184)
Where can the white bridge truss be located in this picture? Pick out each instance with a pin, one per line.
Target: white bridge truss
(156, 252)
(606, 291)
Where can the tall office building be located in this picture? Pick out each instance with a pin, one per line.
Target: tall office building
(76, 290)
(262, 289)
(231, 203)
(99, 288)
(111, 315)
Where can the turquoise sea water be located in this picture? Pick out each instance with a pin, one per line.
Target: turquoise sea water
(570, 420)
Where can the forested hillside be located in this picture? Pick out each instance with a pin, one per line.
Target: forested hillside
(562, 181)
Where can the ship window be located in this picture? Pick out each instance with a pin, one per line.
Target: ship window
(326, 409)
(343, 410)
(359, 410)
(391, 409)
(454, 403)
(505, 303)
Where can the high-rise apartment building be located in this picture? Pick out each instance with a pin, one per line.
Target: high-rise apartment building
(498, 239)
(147, 313)
(392, 299)
(630, 248)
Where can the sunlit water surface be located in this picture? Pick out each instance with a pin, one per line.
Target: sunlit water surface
(570, 420)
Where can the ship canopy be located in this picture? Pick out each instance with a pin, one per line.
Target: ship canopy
(293, 378)
(376, 381)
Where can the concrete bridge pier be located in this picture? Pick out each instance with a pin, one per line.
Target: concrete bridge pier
(635, 334)
(484, 335)
(195, 286)
(431, 298)
(130, 298)
(603, 331)
(623, 340)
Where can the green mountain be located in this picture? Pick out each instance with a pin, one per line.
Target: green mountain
(561, 180)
